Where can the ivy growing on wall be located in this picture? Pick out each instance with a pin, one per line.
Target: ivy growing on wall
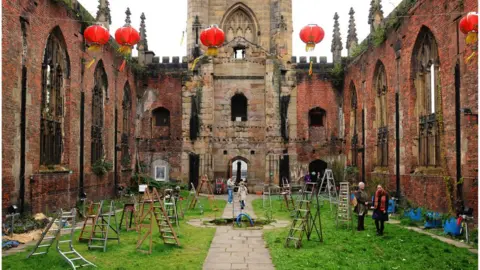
(337, 75)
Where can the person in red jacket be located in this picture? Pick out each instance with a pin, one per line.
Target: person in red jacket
(380, 214)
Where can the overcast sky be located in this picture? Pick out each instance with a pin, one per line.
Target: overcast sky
(166, 19)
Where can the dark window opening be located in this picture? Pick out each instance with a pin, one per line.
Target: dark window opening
(161, 117)
(225, 152)
(239, 108)
(101, 84)
(54, 70)
(126, 106)
(316, 117)
(252, 152)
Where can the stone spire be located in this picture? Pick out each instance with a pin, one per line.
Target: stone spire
(352, 40)
(337, 46)
(103, 14)
(375, 17)
(127, 19)
(142, 44)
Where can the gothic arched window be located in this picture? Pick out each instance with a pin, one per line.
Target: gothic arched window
(161, 117)
(239, 107)
(55, 70)
(380, 87)
(425, 63)
(99, 90)
(126, 107)
(239, 21)
(353, 121)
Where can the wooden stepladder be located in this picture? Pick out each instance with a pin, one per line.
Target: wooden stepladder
(287, 195)
(211, 196)
(304, 222)
(153, 212)
(92, 215)
(344, 211)
(129, 208)
(65, 221)
(103, 229)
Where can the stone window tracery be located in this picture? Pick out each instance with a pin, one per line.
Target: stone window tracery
(380, 86)
(239, 24)
(54, 72)
(127, 107)
(425, 69)
(353, 118)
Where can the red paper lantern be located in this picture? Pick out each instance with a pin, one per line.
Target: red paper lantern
(212, 37)
(127, 37)
(311, 35)
(97, 36)
(469, 23)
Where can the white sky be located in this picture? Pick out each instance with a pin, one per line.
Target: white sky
(166, 19)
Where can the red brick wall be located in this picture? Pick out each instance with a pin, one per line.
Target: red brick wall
(315, 91)
(427, 190)
(49, 185)
(165, 91)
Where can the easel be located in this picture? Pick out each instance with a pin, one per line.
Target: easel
(211, 196)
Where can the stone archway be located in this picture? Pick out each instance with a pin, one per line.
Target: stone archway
(316, 169)
(238, 168)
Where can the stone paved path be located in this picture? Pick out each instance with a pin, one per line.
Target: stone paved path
(227, 213)
(238, 249)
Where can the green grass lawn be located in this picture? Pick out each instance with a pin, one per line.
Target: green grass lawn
(346, 249)
(194, 242)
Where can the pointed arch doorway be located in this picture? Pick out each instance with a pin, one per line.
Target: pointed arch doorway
(316, 169)
(238, 168)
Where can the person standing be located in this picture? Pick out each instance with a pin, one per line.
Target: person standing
(230, 186)
(242, 194)
(361, 208)
(380, 214)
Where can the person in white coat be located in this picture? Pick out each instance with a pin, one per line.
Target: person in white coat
(242, 194)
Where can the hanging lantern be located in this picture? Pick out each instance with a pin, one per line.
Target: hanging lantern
(96, 36)
(311, 35)
(126, 37)
(212, 37)
(469, 26)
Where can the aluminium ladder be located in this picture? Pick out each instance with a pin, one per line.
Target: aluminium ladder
(73, 258)
(101, 229)
(171, 207)
(328, 187)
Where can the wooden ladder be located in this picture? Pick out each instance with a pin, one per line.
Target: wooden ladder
(211, 196)
(344, 212)
(92, 215)
(165, 227)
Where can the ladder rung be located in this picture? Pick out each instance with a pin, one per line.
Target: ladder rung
(74, 259)
(169, 237)
(68, 252)
(98, 239)
(65, 241)
(69, 216)
(293, 238)
(39, 253)
(45, 245)
(96, 246)
(47, 238)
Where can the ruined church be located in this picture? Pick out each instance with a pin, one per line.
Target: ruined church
(399, 110)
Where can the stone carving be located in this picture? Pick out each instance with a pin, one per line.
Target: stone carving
(239, 24)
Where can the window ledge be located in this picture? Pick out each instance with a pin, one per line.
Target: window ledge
(429, 171)
(56, 169)
(381, 169)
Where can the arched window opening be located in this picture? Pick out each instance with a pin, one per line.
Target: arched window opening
(316, 117)
(55, 70)
(353, 121)
(161, 117)
(126, 107)
(239, 21)
(239, 108)
(380, 85)
(99, 90)
(425, 63)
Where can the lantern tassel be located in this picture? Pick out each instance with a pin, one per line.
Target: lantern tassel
(310, 46)
(125, 50)
(472, 38)
(94, 48)
(470, 57)
(310, 70)
(122, 67)
(89, 64)
(212, 51)
(195, 62)
(183, 35)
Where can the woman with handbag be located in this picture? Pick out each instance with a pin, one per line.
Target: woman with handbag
(380, 214)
